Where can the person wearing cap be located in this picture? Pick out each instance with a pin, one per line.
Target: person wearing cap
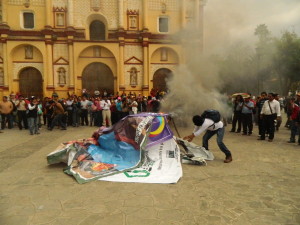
(6, 108)
(269, 113)
(247, 110)
(32, 116)
(210, 128)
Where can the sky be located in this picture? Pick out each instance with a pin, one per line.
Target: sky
(228, 21)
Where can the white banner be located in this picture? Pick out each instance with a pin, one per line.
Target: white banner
(162, 165)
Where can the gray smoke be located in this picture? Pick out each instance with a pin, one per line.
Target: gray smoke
(196, 84)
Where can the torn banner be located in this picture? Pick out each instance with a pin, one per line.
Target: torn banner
(139, 148)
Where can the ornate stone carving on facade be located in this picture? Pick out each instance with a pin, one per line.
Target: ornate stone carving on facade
(60, 51)
(155, 67)
(133, 50)
(60, 16)
(133, 76)
(28, 52)
(133, 19)
(96, 51)
(26, 3)
(163, 54)
(1, 77)
(134, 5)
(163, 7)
(17, 67)
(171, 5)
(95, 5)
(61, 73)
(109, 9)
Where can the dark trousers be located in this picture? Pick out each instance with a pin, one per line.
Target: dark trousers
(70, 117)
(237, 119)
(6, 118)
(220, 134)
(45, 119)
(247, 123)
(58, 120)
(294, 130)
(22, 117)
(49, 120)
(260, 124)
(268, 125)
(84, 117)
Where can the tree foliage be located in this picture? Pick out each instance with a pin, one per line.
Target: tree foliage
(272, 64)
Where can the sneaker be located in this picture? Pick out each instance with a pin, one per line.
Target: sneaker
(270, 140)
(291, 141)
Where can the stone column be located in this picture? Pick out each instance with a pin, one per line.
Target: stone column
(49, 71)
(145, 15)
(121, 14)
(70, 13)
(4, 12)
(145, 65)
(49, 13)
(121, 67)
(5, 64)
(71, 65)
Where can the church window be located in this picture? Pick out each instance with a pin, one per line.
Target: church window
(28, 20)
(163, 24)
(97, 31)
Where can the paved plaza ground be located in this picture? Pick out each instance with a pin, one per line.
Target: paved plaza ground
(260, 186)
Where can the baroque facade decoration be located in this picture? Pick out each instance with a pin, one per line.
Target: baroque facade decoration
(113, 45)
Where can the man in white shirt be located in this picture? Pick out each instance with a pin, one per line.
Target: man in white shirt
(269, 113)
(134, 105)
(106, 114)
(211, 128)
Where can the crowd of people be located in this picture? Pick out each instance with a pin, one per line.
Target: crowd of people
(103, 109)
(265, 111)
(85, 110)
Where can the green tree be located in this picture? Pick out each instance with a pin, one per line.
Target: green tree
(286, 61)
(263, 57)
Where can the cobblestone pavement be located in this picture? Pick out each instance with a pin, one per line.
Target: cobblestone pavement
(260, 186)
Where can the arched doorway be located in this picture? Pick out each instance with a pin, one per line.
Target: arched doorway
(97, 76)
(97, 30)
(31, 82)
(160, 79)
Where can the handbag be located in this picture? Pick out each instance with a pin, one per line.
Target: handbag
(274, 115)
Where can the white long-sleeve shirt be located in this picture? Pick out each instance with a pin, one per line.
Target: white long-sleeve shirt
(105, 105)
(275, 106)
(208, 124)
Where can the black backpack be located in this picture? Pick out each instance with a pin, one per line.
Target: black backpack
(212, 114)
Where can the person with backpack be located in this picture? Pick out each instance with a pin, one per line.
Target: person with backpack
(210, 121)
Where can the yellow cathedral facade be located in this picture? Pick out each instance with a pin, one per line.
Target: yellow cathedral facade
(68, 46)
